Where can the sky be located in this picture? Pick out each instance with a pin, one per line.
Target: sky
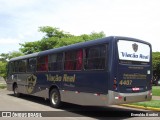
(20, 19)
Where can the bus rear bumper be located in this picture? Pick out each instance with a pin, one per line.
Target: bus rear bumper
(124, 98)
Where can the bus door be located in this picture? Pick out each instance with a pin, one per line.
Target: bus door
(134, 67)
(11, 76)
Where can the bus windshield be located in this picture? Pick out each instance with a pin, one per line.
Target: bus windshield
(130, 52)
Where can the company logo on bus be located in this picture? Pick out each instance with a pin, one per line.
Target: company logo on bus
(135, 47)
(31, 80)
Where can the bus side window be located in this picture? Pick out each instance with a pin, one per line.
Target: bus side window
(73, 60)
(22, 65)
(10, 68)
(95, 57)
(42, 63)
(16, 65)
(79, 59)
(55, 62)
(69, 60)
(31, 65)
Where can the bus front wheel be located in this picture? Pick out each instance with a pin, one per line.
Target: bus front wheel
(15, 91)
(55, 99)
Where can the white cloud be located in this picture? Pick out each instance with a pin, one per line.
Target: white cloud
(20, 19)
(7, 41)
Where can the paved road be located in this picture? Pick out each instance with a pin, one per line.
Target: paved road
(32, 104)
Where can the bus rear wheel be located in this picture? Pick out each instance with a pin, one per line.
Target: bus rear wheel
(55, 99)
(15, 91)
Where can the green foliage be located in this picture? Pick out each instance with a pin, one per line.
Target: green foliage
(3, 69)
(54, 32)
(2, 86)
(47, 43)
(156, 62)
(93, 36)
(153, 103)
(55, 38)
(30, 47)
(156, 90)
(7, 56)
(4, 58)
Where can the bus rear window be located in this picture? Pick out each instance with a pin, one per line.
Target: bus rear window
(131, 52)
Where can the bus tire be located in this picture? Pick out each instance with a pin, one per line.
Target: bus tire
(15, 91)
(55, 98)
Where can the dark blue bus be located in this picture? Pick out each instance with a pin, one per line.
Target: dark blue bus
(107, 71)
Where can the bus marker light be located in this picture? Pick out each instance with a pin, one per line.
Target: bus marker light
(77, 92)
(96, 94)
(64, 90)
(150, 93)
(118, 98)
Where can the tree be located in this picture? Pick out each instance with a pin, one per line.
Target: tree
(93, 36)
(54, 32)
(30, 47)
(156, 63)
(4, 58)
(3, 71)
(54, 38)
(49, 41)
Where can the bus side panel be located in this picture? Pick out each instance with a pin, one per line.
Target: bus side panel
(91, 84)
(10, 81)
(44, 82)
(89, 88)
(83, 98)
(22, 82)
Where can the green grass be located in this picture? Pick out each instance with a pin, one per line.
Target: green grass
(152, 103)
(2, 86)
(156, 90)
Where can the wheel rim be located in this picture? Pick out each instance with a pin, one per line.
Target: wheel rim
(54, 98)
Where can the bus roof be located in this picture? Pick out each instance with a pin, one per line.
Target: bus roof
(25, 56)
(75, 46)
